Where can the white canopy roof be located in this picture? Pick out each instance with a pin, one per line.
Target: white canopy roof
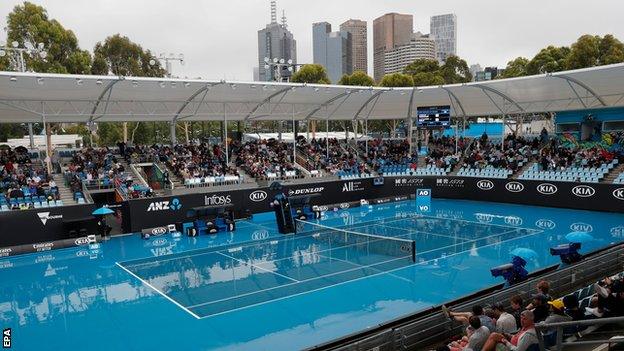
(29, 97)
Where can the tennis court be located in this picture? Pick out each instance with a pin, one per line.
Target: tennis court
(319, 256)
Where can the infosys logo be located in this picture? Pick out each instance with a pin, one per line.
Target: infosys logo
(45, 216)
(547, 189)
(583, 191)
(485, 184)
(217, 200)
(258, 195)
(618, 193)
(514, 187)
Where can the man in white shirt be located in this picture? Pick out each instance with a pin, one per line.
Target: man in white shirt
(506, 323)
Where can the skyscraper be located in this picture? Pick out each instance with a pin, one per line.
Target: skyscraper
(422, 46)
(389, 31)
(359, 43)
(275, 41)
(332, 50)
(444, 30)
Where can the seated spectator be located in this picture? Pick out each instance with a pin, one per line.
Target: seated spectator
(540, 308)
(516, 309)
(520, 341)
(477, 335)
(463, 317)
(505, 323)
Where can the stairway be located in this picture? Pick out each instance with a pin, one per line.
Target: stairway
(615, 172)
(65, 193)
(517, 173)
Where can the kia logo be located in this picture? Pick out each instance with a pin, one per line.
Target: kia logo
(545, 224)
(514, 187)
(344, 205)
(547, 188)
(583, 191)
(484, 217)
(258, 195)
(513, 220)
(485, 184)
(260, 235)
(159, 242)
(581, 227)
(81, 241)
(618, 193)
(159, 231)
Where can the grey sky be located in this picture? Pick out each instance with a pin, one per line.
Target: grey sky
(219, 38)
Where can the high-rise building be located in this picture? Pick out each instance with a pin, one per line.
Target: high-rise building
(444, 30)
(389, 31)
(275, 41)
(474, 69)
(422, 46)
(489, 73)
(359, 43)
(332, 50)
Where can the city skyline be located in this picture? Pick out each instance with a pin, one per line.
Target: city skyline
(219, 40)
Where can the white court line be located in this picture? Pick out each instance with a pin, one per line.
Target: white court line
(415, 231)
(370, 266)
(158, 291)
(308, 291)
(260, 268)
(289, 284)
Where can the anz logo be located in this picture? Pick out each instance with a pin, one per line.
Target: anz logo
(172, 205)
(547, 189)
(485, 184)
(514, 187)
(583, 191)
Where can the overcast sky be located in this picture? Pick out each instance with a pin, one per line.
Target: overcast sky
(219, 38)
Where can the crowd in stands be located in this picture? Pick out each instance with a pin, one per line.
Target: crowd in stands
(338, 161)
(559, 156)
(22, 184)
(442, 153)
(497, 328)
(515, 152)
(186, 161)
(388, 152)
(265, 159)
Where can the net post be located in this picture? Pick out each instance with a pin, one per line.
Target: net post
(413, 251)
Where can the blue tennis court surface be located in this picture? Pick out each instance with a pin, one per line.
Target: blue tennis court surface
(255, 289)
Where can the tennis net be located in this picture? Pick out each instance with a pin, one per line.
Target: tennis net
(377, 244)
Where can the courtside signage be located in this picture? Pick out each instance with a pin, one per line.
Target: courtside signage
(547, 189)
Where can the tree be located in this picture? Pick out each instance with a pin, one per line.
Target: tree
(549, 59)
(30, 22)
(427, 79)
(611, 50)
(120, 56)
(455, 70)
(425, 72)
(590, 51)
(311, 73)
(397, 80)
(515, 68)
(358, 78)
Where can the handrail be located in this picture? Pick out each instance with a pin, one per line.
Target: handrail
(559, 342)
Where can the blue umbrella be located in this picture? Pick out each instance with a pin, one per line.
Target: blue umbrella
(524, 252)
(102, 211)
(579, 237)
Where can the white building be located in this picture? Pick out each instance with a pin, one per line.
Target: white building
(421, 46)
(444, 30)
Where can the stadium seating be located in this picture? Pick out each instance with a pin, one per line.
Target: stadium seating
(619, 179)
(570, 174)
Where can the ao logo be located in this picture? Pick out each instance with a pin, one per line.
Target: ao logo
(259, 235)
(513, 220)
(581, 227)
(423, 208)
(618, 193)
(583, 191)
(423, 192)
(514, 187)
(547, 188)
(485, 184)
(258, 195)
(545, 224)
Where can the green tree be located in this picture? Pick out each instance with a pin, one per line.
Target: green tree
(30, 22)
(358, 78)
(589, 51)
(515, 68)
(549, 59)
(611, 50)
(120, 56)
(427, 79)
(397, 80)
(425, 72)
(311, 73)
(455, 70)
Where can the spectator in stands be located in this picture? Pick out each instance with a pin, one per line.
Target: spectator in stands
(540, 307)
(557, 314)
(572, 309)
(463, 317)
(544, 135)
(521, 341)
(505, 323)
(476, 336)
(516, 309)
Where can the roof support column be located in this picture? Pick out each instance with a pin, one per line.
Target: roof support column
(172, 125)
(31, 137)
(225, 136)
